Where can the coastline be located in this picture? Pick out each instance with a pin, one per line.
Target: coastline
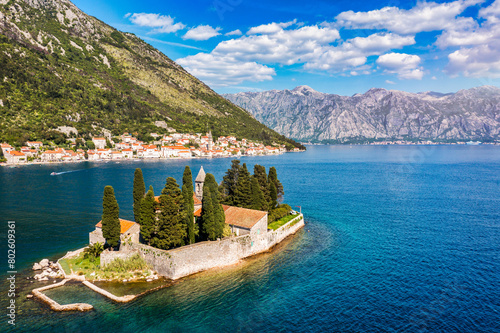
(278, 236)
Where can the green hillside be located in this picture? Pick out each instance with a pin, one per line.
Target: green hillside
(61, 67)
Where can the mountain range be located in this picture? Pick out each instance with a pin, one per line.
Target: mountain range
(61, 68)
(379, 114)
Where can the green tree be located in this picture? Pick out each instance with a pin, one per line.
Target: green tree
(258, 201)
(219, 216)
(273, 177)
(187, 193)
(171, 223)
(229, 182)
(148, 216)
(110, 217)
(208, 228)
(138, 193)
(90, 144)
(273, 195)
(243, 191)
(259, 172)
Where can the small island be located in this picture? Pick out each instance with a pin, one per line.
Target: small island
(187, 229)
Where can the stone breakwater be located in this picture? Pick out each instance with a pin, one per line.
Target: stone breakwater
(191, 259)
(38, 293)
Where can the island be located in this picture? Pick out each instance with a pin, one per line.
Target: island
(187, 229)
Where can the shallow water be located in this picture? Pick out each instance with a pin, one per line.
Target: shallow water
(398, 238)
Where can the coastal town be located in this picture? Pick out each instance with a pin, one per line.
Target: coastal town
(127, 146)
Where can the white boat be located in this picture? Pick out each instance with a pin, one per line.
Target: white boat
(473, 143)
(53, 173)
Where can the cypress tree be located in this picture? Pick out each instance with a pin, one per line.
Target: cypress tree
(138, 193)
(148, 216)
(208, 226)
(171, 223)
(110, 217)
(259, 172)
(219, 216)
(273, 196)
(243, 191)
(258, 201)
(229, 182)
(273, 177)
(187, 193)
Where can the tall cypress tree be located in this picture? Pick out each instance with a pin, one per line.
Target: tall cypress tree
(258, 201)
(110, 217)
(273, 196)
(259, 172)
(243, 191)
(219, 216)
(148, 216)
(208, 226)
(138, 193)
(229, 182)
(187, 193)
(171, 223)
(273, 177)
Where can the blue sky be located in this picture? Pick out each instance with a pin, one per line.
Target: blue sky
(341, 47)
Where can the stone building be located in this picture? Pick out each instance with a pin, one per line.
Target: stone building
(245, 221)
(198, 184)
(128, 229)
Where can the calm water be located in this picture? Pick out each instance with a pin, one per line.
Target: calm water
(398, 239)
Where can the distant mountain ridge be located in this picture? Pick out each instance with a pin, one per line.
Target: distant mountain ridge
(62, 67)
(379, 114)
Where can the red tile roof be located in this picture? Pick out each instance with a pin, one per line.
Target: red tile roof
(124, 225)
(16, 153)
(242, 217)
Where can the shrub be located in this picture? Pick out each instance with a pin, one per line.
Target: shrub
(136, 262)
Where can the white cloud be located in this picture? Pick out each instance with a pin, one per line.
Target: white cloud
(202, 32)
(479, 61)
(406, 66)
(479, 53)
(236, 32)
(425, 16)
(390, 82)
(225, 71)
(270, 28)
(382, 42)
(162, 23)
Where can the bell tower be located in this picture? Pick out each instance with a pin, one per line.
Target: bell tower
(198, 184)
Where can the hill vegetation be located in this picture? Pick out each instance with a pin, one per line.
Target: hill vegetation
(61, 67)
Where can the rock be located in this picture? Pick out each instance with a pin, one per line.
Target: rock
(53, 274)
(44, 263)
(37, 266)
(29, 296)
(44, 279)
(149, 280)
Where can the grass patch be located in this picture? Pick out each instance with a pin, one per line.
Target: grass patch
(132, 268)
(281, 222)
(65, 266)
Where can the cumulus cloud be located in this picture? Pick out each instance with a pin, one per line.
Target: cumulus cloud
(479, 61)
(406, 66)
(225, 71)
(202, 32)
(425, 16)
(479, 44)
(162, 23)
(236, 32)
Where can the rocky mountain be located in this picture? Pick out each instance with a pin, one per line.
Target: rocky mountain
(310, 116)
(61, 67)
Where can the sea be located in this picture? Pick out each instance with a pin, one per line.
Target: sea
(397, 239)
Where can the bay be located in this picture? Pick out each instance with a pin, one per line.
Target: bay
(398, 238)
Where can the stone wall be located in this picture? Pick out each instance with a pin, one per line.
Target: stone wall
(198, 257)
(109, 256)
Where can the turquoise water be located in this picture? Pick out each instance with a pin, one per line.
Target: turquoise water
(398, 239)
